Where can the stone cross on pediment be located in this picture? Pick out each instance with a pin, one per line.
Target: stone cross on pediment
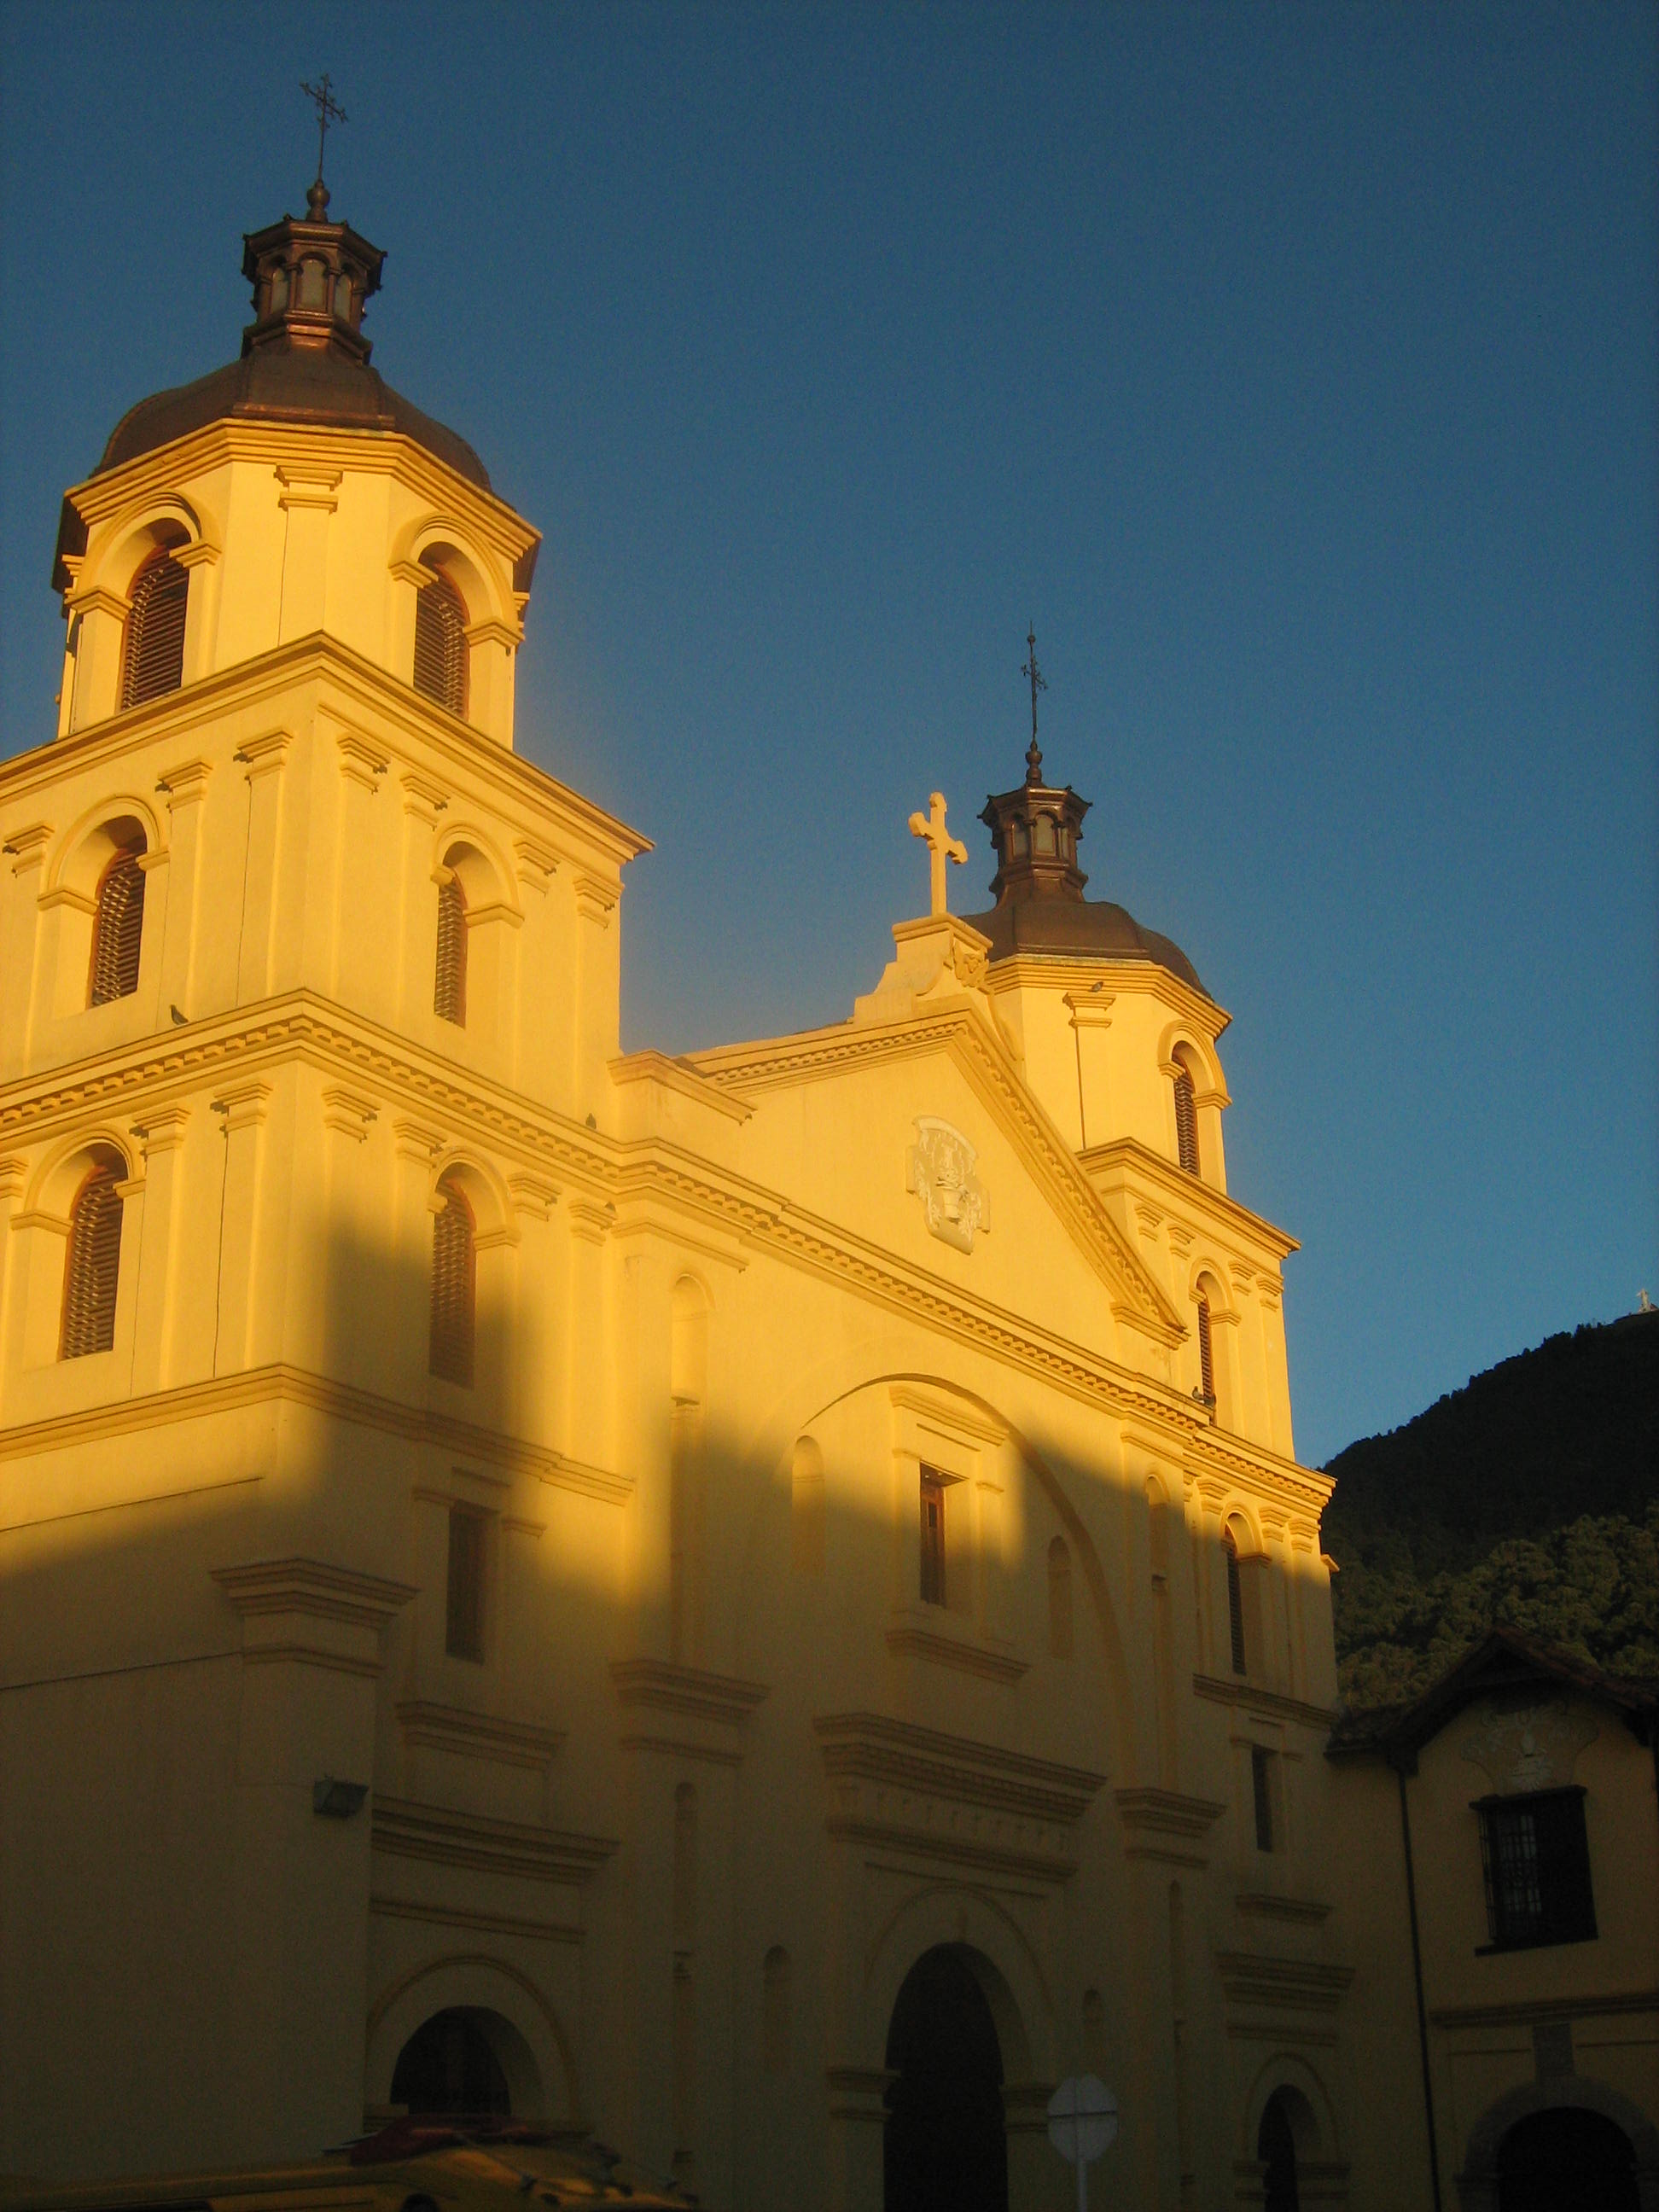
(941, 847)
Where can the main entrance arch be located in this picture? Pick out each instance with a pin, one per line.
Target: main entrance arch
(945, 2148)
(1566, 2159)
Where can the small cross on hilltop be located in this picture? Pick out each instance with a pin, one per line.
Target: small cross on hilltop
(941, 847)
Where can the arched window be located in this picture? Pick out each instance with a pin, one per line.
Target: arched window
(775, 2017)
(1060, 1598)
(93, 1265)
(807, 1509)
(1206, 1353)
(449, 989)
(441, 643)
(454, 1286)
(117, 927)
(1186, 1110)
(1235, 1601)
(154, 662)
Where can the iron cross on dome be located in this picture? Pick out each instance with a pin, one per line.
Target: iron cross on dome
(328, 110)
(941, 847)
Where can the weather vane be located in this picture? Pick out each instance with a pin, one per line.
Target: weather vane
(328, 110)
(1039, 683)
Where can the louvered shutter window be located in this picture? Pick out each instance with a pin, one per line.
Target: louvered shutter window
(1185, 1121)
(117, 927)
(449, 990)
(1205, 1352)
(1235, 1601)
(454, 1289)
(155, 659)
(92, 1266)
(440, 644)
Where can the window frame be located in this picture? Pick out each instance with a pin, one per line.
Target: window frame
(466, 1593)
(1566, 1918)
(1239, 1648)
(144, 589)
(931, 1581)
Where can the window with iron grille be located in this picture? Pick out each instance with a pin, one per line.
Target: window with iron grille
(932, 1538)
(117, 928)
(453, 1287)
(1535, 1858)
(440, 644)
(153, 663)
(1186, 1107)
(1261, 1786)
(1235, 1599)
(464, 1618)
(449, 990)
(92, 1266)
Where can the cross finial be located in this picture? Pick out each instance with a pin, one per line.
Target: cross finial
(328, 110)
(1039, 683)
(941, 847)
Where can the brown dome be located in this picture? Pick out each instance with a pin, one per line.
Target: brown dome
(304, 357)
(1037, 828)
(285, 383)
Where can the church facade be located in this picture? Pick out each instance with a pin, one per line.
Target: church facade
(742, 1603)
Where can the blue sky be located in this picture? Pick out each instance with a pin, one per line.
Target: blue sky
(1293, 368)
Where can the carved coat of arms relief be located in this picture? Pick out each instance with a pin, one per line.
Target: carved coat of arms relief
(939, 1168)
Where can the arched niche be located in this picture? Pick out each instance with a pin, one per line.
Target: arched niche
(527, 2036)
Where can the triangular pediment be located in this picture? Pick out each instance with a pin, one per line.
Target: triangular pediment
(956, 1029)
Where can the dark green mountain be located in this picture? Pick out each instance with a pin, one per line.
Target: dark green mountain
(1529, 1499)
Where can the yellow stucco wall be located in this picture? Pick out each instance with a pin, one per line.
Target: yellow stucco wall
(718, 1340)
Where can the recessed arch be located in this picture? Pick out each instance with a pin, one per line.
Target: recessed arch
(1313, 2115)
(478, 1982)
(61, 1172)
(470, 850)
(438, 540)
(1181, 1037)
(122, 548)
(485, 1190)
(881, 1361)
(85, 849)
(1478, 2182)
(1002, 1963)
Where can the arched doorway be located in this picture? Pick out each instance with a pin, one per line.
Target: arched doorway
(946, 2149)
(1567, 2159)
(1275, 2146)
(451, 2064)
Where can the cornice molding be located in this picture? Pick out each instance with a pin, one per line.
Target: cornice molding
(1189, 1195)
(666, 1686)
(314, 1588)
(512, 780)
(1518, 2012)
(874, 1747)
(680, 1076)
(1167, 1813)
(404, 1828)
(1066, 971)
(963, 1653)
(478, 1736)
(1268, 1705)
(298, 1386)
(304, 447)
(1283, 1984)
